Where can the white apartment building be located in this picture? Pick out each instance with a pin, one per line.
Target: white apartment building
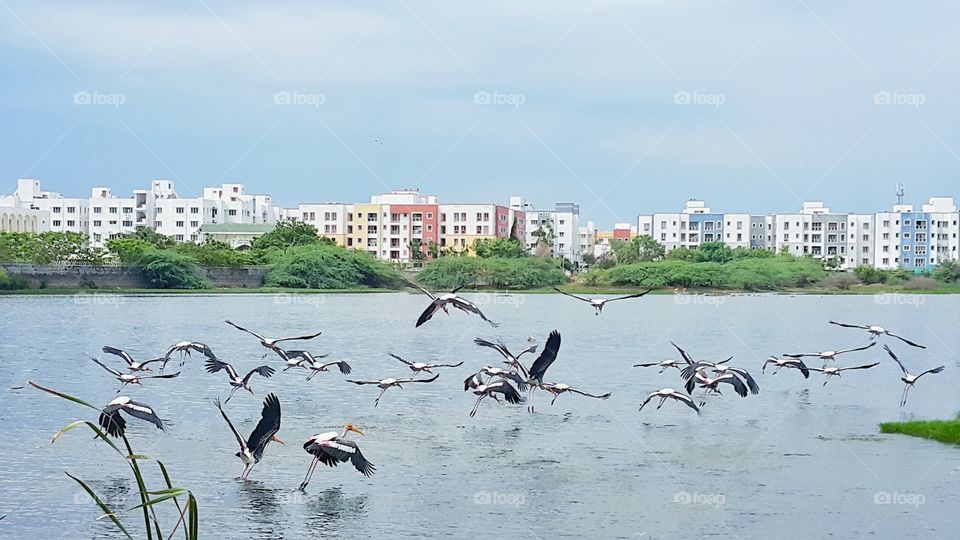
(563, 222)
(917, 240)
(66, 214)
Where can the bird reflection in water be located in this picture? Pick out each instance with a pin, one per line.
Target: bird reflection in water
(328, 510)
(264, 508)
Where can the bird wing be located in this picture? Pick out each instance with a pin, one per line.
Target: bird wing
(732, 379)
(161, 359)
(467, 305)
(344, 367)
(582, 393)
(686, 357)
(751, 383)
(311, 336)
(571, 295)
(801, 355)
(862, 326)
(267, 427)
(428, 313)
(517, 378)
(637, 295)
(547, 357)
(458, 364)
(106, 367)
(339, 450)
(112, 422)
(213, 365)
(264, 371)
(471, 382)
(530, 350)
(509, 392)
(895, 359)
(798, 364)
(202, 349)
(861, 367)
(119, 352)
(236, 433)
(431, 379)
(164, 376)
(649, 397)
(421, 289)
(857, 348)
(251, 332)
(401, 359)
(362, 382)
(937, 369)
(907, 341)
(648, 364)
(143, 412)
(499, 347)
(686, 400)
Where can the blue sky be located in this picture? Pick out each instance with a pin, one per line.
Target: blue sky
(623, 107)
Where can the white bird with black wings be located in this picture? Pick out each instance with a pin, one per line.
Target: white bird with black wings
(252, 449)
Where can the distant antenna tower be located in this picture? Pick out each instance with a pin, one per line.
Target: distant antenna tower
(899, 193)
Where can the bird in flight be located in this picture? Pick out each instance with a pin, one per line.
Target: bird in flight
(236, 382)
(876, 331)
(252, 449)
(132, 364)
(502, 387)
(127, 378)
(559, 388)
(830, 355)
(598, 303)
(836, 371)
(114, 424)
(418, 367)
(271, 343)
(909, 379)
(441, 302)
(669, 393)
(508, 357)
(332, 448)
(794, 363)
(385, 384)
(185, 348)
(315, 366)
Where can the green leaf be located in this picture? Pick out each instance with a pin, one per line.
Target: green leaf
(194, 518)
(62, 395)
(92, 426)
(107, 512)
(167, 495)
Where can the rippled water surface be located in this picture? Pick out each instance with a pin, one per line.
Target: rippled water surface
(799, 460)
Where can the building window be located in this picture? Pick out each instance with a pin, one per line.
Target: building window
(56, 223)
(231, 212)
(194, 223)
(97, 209)
(56, 209)
(97, 223)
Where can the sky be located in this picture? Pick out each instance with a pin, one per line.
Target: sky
(624, 107)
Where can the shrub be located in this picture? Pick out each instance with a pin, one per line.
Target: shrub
(870, 275)
(839, 280)
(12, 283)
(501, 273)
(169, 270)
(947, 272)
(325, 266)
(921, 283)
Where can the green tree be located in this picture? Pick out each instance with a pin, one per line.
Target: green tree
(509, 248)
(947, 272)
(625, 252)
(289, 234)
(717, 252)
(168, 270)
(648, 248)
(324, 266)
(870, 275)
(128, 248)
(150, 236)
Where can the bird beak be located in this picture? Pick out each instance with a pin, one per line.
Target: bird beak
(355, 430)
(276, 439)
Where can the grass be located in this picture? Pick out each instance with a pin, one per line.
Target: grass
(167, 292)
(947, 431)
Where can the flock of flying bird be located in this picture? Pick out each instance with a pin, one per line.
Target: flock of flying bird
(501, 384)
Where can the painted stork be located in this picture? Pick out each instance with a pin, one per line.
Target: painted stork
(876, 331)
(509, 374)
(502, 387)
(332, 448)
(384, 384)
(710, 384)
(559, 388)
(251, 450)
(271, 343)
(451, 298)
(909, 379)
(132, 364)
(185, 348)
(835, 371)
(236, 382)
(670, 393)
(719, 368)
(508, 357)
(418, 367)
(114, 424)
(127, 378)
(312, 363)
(794, 363)
(540, 365)
(830, 355)
(598, 303)
(663, 365)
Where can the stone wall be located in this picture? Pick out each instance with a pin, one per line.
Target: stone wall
(123, 277)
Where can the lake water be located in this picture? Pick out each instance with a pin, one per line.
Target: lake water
(799, 460)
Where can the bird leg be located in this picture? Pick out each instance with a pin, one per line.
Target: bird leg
(477, 405)
(232, 390)
(555, 396)
(377, 401)
(310, 376)
(306, 479)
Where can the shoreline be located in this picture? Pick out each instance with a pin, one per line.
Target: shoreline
(868, 290)
(945, 431)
